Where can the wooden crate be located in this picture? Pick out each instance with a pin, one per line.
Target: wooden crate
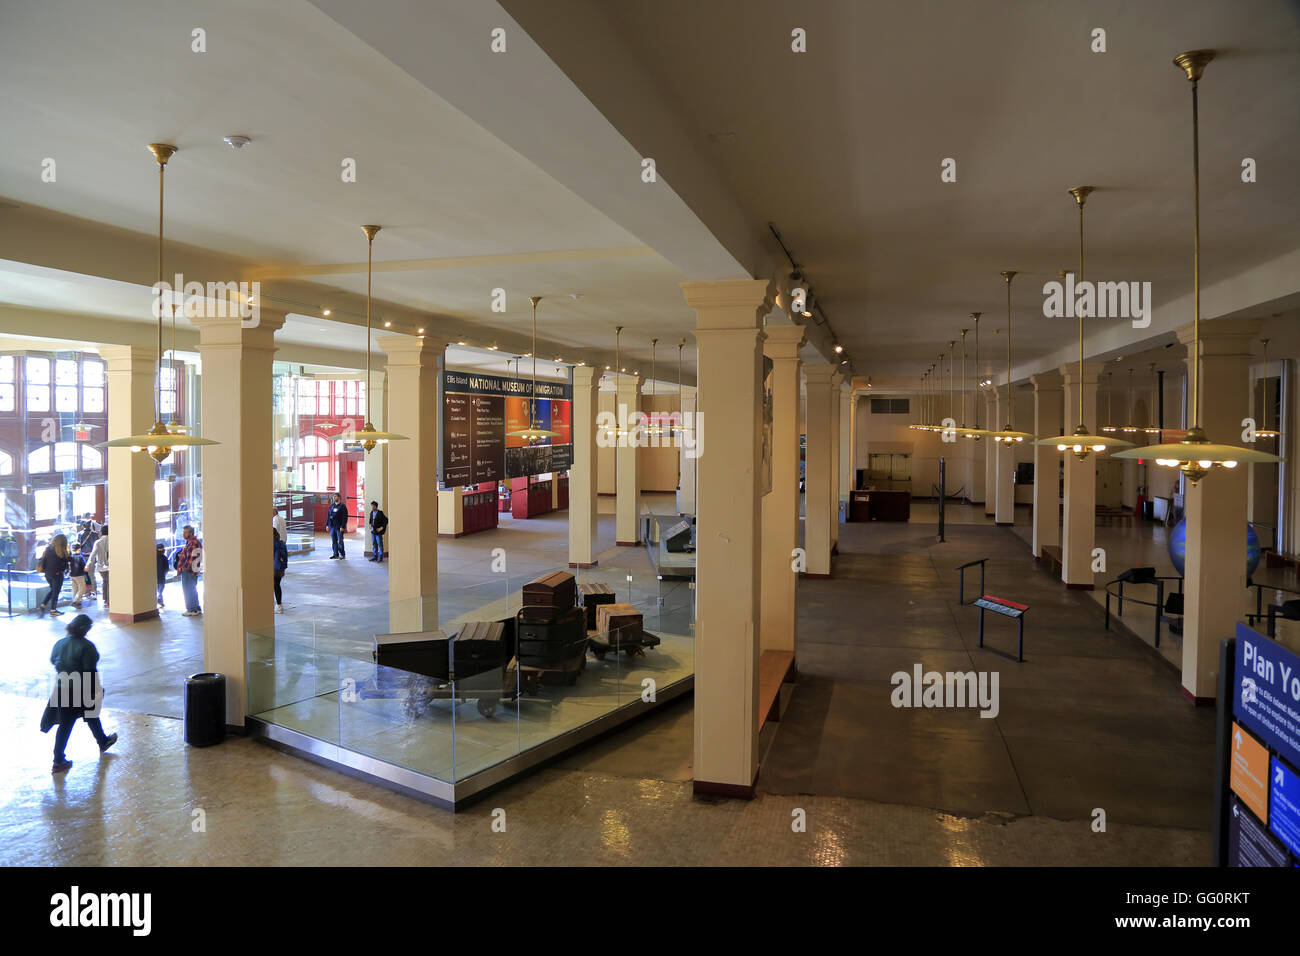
(593, 596)
(480, 646)
(557, 589)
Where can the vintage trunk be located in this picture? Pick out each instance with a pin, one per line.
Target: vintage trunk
(423, 652)
(547, 644)
(619, 623)
(480, 646)
(594, 595)
(557, 589)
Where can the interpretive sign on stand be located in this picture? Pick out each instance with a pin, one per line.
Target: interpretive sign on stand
(1257, 792)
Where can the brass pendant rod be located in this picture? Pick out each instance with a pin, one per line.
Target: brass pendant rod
(1196, 258)
(963, 377)
(157, 396)
(1011, 415)
(950, 345)
(976, 399)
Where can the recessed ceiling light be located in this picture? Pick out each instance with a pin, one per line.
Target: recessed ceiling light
(575, 295)
(388, 325)
(236, 142)
(325, 312)
(419, 332)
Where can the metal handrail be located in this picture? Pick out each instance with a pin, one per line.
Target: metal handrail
(1159, 603)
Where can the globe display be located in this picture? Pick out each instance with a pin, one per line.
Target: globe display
(1178, 547)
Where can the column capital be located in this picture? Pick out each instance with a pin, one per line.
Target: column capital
(412, 350)
(730, 303)
(1091, 372)
(1050, 381)
(627, 382)
(231, 330)
(783, 341)
(1223, 337)
(129, 358)
(817, 374)
(585, 376)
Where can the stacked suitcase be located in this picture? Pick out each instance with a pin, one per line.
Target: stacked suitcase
(479, 647)
(550, 629)
(594, 595)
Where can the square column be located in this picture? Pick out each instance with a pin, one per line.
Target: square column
(627, 475)
(133, 576)
(818, 470)
(991, 453)
(377, 460)
(1214, 570)
(414, 364)
(1079, 526)
(730, 339)
(1049, 403)
(848, 399)
(686, 455)
(582, 476)
(781, 504)
(237, 486)
(837, 382)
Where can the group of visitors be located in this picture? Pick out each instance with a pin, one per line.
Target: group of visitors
(336, 520)
(60, 561)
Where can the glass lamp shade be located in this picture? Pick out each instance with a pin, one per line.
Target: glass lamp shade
(1196, 456)
(158, 442)
(369, 438)
(1009, 437)
(975, 434)
(532, 434)
(1081, 444)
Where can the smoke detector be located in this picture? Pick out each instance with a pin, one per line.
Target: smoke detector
(236, 142)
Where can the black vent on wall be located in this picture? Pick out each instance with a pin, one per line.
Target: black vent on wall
(889, 406)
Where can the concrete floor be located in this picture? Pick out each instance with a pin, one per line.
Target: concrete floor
(1089, 720)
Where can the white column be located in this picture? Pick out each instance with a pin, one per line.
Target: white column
(582, 476)
(818, 469)
(414, 364)
(1049, 402)
(781, 504)
(686, 456)
(237, 595)
(133, 578)
(1079, 526)
(1215, 567)
(844, 452)
(730, 337)
(627, 476)
(377, 460)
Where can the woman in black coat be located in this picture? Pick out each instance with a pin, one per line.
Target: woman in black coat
(77, 691)
(54, 565)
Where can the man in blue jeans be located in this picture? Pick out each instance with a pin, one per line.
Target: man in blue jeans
(378, 525)
(189, 562)
(337, 521)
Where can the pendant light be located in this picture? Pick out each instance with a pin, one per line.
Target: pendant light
(976, 433)
(1196, 456)
(159, 441)
(1130, 428)
(1266, 432)
(1151, 427)
(368, 437)
(533, 433)
(1008, 435)
(1110, 404)
(620, 430)
(1081, 443)
(655, 428)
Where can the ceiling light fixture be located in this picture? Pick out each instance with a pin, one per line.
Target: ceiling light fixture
(1008, 435)
(1081, 443)
(1195, 456)
(159, 441)
(1264, 432)
(368, 436)
(325, 312)
(533, 433)
(975, 433)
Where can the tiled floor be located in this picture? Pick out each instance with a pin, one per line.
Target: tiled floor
(1089, 720)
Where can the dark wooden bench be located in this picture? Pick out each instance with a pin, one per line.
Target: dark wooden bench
(775, 668)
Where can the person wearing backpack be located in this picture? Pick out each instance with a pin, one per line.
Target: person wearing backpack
(54, 565)
(77, 575)
(279, 564)
(163, 566)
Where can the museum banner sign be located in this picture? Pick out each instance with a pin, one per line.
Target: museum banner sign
(480, 413)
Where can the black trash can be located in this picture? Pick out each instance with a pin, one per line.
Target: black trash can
(205, 709)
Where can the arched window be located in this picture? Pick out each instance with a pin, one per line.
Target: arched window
(6, 463)
(38, 460)
(92, 459)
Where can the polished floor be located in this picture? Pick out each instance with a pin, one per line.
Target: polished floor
(1088, 721)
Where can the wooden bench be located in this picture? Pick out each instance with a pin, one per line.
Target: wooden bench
(774, 669)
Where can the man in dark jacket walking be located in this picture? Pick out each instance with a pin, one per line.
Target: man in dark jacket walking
(77, 691)
(378, 522)
(337, 521)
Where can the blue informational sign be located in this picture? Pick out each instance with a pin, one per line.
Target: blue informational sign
(1267, 696)
(1249, 844)
(1284, 804)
